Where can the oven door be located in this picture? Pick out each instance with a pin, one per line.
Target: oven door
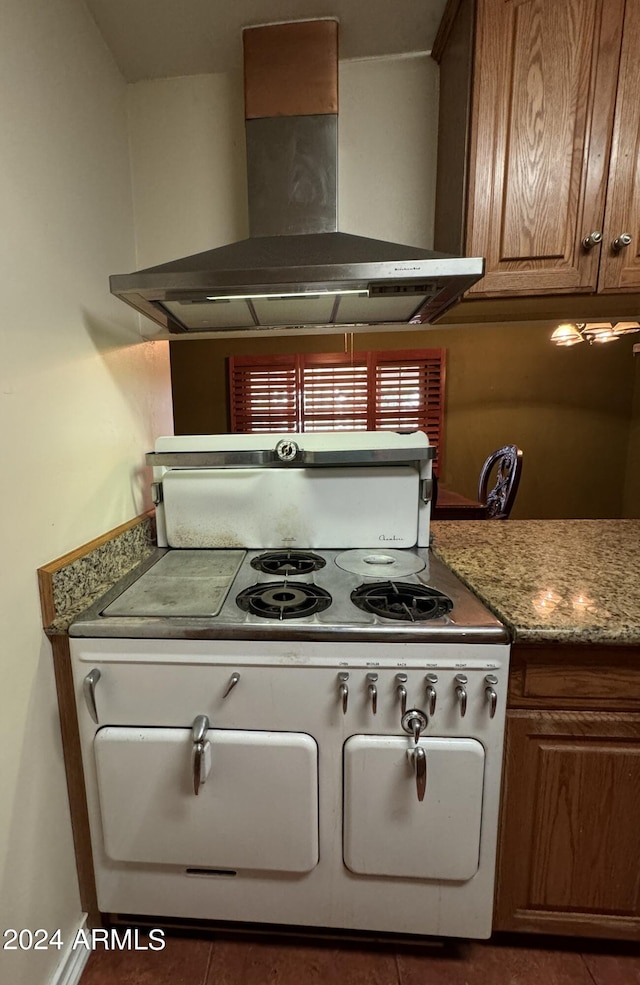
(389, 831)
(256, 809)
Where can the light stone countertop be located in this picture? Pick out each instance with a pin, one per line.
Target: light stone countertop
(554, 581)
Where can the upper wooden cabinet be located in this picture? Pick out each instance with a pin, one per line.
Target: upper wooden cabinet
(539, 143)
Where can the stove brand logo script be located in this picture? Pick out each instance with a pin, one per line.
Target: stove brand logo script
(388, 539)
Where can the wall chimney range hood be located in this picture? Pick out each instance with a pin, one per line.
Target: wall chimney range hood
(296, 271)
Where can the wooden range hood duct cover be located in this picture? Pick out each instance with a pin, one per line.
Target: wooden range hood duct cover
(296, 272)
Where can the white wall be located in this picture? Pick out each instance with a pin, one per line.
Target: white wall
(79, 404)
(188, 165)
(387, 153)
(190, 185)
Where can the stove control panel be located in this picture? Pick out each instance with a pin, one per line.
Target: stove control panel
(446, 695)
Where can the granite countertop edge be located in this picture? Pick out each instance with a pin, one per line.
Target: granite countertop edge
(551, 581)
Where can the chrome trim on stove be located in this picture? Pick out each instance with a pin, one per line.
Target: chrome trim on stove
(269, 458)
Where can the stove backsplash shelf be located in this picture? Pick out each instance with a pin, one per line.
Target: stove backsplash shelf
(271, 458)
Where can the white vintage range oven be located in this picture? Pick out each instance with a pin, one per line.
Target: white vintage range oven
(294, 713)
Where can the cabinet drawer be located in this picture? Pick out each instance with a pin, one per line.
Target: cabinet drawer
(570, 676)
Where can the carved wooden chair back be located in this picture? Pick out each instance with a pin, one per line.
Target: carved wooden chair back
(500, 498)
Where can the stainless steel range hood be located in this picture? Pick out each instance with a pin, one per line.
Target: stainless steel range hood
(295, 271)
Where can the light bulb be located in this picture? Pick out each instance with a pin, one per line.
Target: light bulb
(566, 335)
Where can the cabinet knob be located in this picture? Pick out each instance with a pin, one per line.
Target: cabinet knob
(621, 242)
(592, 240)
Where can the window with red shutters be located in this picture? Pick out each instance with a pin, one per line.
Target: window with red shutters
(399, 391)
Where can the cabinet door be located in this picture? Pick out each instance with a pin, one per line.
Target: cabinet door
(257, 809)
(543, 103)
(570, 837)
(620, 269)
(389, 832)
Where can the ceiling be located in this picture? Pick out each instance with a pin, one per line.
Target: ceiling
(153, 39)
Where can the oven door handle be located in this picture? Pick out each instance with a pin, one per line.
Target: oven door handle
(418, 759)
(201, 754)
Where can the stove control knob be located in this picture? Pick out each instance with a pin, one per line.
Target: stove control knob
(461, 692)
(402, 692)
(414, 722)
(373, 691)
(287, 450)
(431, 679)
(490, 693)
(343, 690)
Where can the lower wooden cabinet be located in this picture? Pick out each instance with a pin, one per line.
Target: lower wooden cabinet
(569, 860)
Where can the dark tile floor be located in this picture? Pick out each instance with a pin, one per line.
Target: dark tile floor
(246, 960)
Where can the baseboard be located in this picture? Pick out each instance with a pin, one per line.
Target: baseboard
(71, 965)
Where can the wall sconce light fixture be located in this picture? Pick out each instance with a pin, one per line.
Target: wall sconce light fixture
(592, 332)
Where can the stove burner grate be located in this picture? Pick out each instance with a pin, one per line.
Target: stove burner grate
(401, 600)
(281, 600)
(288, 563)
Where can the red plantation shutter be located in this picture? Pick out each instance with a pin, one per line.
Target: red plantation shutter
(334, 393)
(263, 393)
(409, 392)
(400, 391)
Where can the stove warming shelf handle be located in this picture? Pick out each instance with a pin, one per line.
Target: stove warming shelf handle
(267, 458)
